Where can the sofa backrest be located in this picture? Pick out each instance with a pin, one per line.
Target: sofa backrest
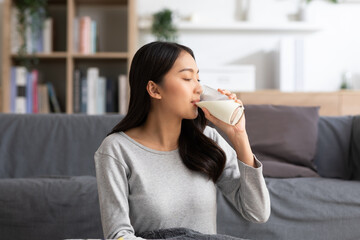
(333, 146)
(33, 145)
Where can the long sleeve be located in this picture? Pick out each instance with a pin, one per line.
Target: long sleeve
(243, 185)
(113, 191)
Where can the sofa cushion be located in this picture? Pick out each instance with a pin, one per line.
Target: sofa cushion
(51, 144)
(48, 208)
(285, 134)
(354, 159)
(301, 208)
(332, 151)
(287, 170)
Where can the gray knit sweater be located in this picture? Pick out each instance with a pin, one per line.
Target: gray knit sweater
(141, 189)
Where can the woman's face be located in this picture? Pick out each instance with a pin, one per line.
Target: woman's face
(180, 89)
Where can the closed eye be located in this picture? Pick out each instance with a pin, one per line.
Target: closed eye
(189, 79)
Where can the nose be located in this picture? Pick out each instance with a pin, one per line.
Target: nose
(198, 88)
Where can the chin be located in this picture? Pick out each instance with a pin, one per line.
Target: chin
(191, 116)
(195, 114)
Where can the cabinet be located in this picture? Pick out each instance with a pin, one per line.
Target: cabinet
(117, 38)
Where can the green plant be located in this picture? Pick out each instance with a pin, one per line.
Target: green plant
(36, 10)
(163, 27)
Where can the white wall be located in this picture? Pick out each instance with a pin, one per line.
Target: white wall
(335, 49)
(327, 53)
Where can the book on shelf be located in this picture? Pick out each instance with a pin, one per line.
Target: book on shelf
(100, 95)
(122, 94)
(44, 106)
(85, 35)
(94, 94)
(32, 91)
(84, 102)
(35, 91)
(112, 96)
(28, 95)
(76, 35)
(48, 35)
(23, 93)
(20, 80)
(77, 91)
(13, 90)
(92, 84)
(53, 98)
(93, 36)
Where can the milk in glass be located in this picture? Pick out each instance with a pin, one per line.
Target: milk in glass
(220, 106)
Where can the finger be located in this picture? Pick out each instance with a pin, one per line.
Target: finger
(227, 92)
(239, 101)
(233, 96)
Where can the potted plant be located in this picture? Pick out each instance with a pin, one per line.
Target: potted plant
(163, 27)
(30, 16)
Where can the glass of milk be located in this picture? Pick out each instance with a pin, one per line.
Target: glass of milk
(220, 106)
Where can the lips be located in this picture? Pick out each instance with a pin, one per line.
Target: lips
(195, 101)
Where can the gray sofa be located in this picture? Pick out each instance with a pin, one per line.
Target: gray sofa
(48, 186)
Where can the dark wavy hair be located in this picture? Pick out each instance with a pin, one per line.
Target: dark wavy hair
(152, 62)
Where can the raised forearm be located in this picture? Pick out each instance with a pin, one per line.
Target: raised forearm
(242, 147)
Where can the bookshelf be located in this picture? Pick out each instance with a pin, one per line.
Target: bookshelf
(117, 38)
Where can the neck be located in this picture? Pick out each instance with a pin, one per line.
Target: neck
(162, 130)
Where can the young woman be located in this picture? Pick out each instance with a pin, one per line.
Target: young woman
(161, 165)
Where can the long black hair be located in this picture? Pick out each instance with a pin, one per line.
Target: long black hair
(152, 62)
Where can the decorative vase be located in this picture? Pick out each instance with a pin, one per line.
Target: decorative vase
(242, 10)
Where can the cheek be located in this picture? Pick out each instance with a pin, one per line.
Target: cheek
(177, 92)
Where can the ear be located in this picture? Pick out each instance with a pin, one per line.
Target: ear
(153, 90)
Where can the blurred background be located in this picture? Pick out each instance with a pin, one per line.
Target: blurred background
(294, 45)
(240, 45)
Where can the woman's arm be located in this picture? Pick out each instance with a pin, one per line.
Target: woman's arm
(113, 197)
(237, 133)
(242, 182)
(243, 185)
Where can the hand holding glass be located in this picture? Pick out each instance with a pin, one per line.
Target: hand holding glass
(220, 106)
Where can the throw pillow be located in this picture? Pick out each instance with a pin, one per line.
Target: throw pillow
(332, 152)
(285, 134)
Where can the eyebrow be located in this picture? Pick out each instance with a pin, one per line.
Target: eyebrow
(188, 69)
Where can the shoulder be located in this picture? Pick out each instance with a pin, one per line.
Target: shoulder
(113, 149)
(113, 145)
(111, 141)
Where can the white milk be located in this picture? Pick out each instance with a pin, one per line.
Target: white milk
(227, 111)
